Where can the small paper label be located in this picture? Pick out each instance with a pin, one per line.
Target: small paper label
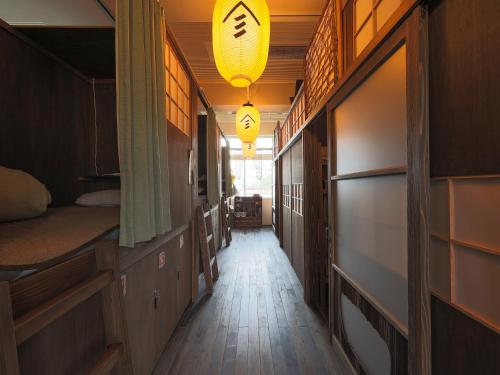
(161, 260)
(181, 241)
(124, 284)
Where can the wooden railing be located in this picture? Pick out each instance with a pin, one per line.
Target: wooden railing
(321, 74)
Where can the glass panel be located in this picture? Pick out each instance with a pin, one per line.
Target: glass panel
(364, 37)
(372, 240)
(362, 9)
(371, 123)
(385, 10)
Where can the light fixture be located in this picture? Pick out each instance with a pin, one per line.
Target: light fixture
(240, 34)
(248, 123)
(249, 150)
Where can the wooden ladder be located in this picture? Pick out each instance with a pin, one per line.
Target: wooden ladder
(106, 282)
(226, 225)
(207, 248)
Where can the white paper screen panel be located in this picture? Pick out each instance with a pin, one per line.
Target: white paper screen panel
(440, 268)
(372, 241)
(477, 283)
(440, 208)
(371, 123)
(477, 212)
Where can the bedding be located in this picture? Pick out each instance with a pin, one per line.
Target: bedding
(60, 233)
(21, 195)
(103, 198)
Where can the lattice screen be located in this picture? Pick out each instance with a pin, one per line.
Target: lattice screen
(322, 69)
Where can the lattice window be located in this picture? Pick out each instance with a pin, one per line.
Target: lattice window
(369, 17)
(177, 86)
(298, 198)
(322, 69)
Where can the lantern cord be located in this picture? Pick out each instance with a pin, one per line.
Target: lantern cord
(248, 94)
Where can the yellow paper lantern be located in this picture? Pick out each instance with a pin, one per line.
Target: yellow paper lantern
(249, 150)
(248, 123)
(240, 34)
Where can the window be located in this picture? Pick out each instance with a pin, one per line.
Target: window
(177, 86)
(253, 176)
(369, 17)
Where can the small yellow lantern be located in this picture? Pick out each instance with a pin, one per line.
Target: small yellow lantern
(248, 123)
(240, 33)
(249, 150)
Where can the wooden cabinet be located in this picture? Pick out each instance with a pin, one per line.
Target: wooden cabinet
(248, 212)
(140, 314)
(158, 290)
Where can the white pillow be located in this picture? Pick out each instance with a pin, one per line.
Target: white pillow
(22, 196)
(103, 198)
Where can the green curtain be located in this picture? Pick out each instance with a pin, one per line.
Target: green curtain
(229, 179)
(213, 180)
(142, 135)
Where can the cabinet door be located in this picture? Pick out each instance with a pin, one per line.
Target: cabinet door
(185, 279)
(139, 308)
(166, 286)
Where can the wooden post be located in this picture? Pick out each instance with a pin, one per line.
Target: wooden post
(9, 362)
(115, 328)
(419, 318)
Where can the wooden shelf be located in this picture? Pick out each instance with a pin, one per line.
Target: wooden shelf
(393, 171)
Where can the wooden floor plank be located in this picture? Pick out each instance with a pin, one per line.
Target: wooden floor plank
(256, 322)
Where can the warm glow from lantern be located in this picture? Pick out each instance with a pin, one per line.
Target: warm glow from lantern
(249, 150)
(248, 123)
(240, 33)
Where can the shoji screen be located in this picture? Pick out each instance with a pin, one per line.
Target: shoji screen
(371, 246)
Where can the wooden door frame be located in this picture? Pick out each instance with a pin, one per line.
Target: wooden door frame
(413, 32)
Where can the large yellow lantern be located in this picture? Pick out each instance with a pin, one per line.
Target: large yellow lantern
(249, 150)
(248, 123)
(240, 33)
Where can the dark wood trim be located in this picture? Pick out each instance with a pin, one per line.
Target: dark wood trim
(372, 173)
(419, 303)
(9, 362)
(33, 322)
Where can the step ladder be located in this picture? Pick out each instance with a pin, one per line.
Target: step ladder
(106, 282)
(207, 248)
(226, 224)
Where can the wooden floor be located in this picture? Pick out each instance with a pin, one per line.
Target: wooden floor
(255, 323)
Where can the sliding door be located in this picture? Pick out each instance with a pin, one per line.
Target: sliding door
(379, 185)
(286, 190)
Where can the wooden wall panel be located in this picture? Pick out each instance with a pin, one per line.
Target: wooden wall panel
(179, 145)
(47, 120)
(464, 87)
(460, 344)
(298, 218)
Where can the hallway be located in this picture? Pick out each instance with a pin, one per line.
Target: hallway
(255, 323)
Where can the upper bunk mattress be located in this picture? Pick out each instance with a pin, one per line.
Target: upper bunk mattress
(59, 233)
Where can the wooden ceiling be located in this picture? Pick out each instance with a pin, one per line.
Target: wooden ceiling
(293, 23)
